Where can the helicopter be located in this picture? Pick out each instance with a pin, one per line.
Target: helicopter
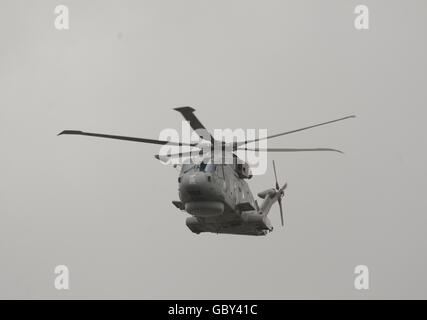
(215, 193)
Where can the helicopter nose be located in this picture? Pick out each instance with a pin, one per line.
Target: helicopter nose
(196, 186)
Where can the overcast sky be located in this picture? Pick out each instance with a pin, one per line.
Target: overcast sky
(103, 208)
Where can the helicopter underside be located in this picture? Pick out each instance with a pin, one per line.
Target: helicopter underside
(230, 222)
(238, 230)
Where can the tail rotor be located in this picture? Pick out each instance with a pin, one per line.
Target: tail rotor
(280, 192)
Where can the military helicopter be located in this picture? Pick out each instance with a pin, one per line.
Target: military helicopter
(216, 195)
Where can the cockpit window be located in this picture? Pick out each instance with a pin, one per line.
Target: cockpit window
(187, 168)
(198, 167)
(208, 168)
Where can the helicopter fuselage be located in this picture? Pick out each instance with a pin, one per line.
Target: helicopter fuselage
(219, 201)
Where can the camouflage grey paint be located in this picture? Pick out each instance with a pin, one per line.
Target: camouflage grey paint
(221, 202)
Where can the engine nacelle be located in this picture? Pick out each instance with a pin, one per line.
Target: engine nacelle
(244, 171)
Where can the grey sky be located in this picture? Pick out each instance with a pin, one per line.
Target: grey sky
(103, 208)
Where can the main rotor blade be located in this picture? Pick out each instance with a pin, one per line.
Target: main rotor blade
(290, 149)
(99, 135)
(196, 125)
(292, 131)
(179, 155)
(275, 175)
(281, 210)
